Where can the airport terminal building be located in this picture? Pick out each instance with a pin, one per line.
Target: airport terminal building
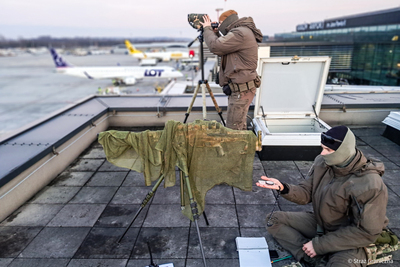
(365, 48)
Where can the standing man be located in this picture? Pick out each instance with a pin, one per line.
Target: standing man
(349, 200)
(239, 51)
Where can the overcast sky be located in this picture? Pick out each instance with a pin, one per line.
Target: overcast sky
(166, 18)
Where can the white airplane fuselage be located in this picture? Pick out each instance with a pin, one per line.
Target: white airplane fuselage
(164, 56)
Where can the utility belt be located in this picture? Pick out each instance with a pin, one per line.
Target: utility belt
(241, 87)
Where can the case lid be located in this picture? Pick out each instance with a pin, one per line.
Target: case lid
(291, 87)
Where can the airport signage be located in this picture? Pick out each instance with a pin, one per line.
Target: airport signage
(335, 24)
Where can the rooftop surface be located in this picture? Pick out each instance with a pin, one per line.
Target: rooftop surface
(77, 219)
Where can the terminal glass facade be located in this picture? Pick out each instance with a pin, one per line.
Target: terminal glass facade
(362, 55)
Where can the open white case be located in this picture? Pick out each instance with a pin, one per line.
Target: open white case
(287, 106)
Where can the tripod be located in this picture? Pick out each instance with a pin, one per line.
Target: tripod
(193, 206)
(203, 84)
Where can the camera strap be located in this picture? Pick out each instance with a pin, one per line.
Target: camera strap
(273, 209)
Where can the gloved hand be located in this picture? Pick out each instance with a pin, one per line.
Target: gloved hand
(277, 185)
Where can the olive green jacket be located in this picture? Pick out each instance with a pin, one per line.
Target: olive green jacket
(349, 203)
(238, 49)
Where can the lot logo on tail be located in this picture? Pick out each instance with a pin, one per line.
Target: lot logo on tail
(58, 60)
(153, 73)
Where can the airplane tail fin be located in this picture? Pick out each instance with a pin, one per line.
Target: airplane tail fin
(132, 49)
(58, 60)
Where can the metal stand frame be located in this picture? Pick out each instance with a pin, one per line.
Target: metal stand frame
(193, 205)
(203, 84)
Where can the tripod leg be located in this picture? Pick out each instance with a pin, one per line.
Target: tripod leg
(217, 108)
(205, 218)
(182, 193)
(195, 214)
(191, 104)
(144, 203)
(203, 94)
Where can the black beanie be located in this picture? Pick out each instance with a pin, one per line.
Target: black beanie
(339, 133)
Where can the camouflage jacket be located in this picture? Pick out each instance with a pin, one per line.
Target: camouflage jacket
(238, 49)
(349, 203)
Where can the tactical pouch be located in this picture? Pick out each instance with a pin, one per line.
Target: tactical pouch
(257, 81)
(227, 89)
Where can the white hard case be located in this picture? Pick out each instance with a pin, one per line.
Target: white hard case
(289, 100)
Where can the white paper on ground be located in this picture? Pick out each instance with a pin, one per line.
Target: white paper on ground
(253, 252)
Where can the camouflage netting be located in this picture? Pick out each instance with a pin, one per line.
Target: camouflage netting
(207, 152)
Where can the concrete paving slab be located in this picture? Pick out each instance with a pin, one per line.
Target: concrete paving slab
(220, 194)
(137, 263)
(389, 151)
(286, 176)
(108, 167)
(213, 262)
(32, 215)
(54, 195)
(14, 239)
(394, 199)
(55, 242)
(134, 179)
(169, 195)
(94, 153)
(5, 262)
(78, 215)
(377, 140)
(107, 179)
(101, 243)
(165, 243)
(90, 195)
(130, 195)
(121, 216)
(389, 165)
(253, 215)
(39, 263)
(391, 177)
(219, 216)
(258, 166)
(86, 165)
(218, 243)
(71, 179)
(165, 216)
(304, 164)
(393, 213)
(370, 152)
(256, 196)
(368, 131)
(97, 263)
(276, 165)
(395, 189)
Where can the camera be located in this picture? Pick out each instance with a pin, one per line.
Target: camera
(194, 20)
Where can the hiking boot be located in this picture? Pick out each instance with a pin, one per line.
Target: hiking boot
(317, 261)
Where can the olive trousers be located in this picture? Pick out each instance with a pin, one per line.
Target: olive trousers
(238, 106)
(293, 229)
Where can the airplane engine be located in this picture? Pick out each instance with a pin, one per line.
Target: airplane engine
(129, 81)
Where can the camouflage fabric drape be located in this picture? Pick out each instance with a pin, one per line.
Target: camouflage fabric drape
(207, 152)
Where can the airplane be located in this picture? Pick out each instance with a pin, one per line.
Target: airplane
(119, 74)
(162, 56)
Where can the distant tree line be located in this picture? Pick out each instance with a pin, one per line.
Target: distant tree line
(49, 41)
